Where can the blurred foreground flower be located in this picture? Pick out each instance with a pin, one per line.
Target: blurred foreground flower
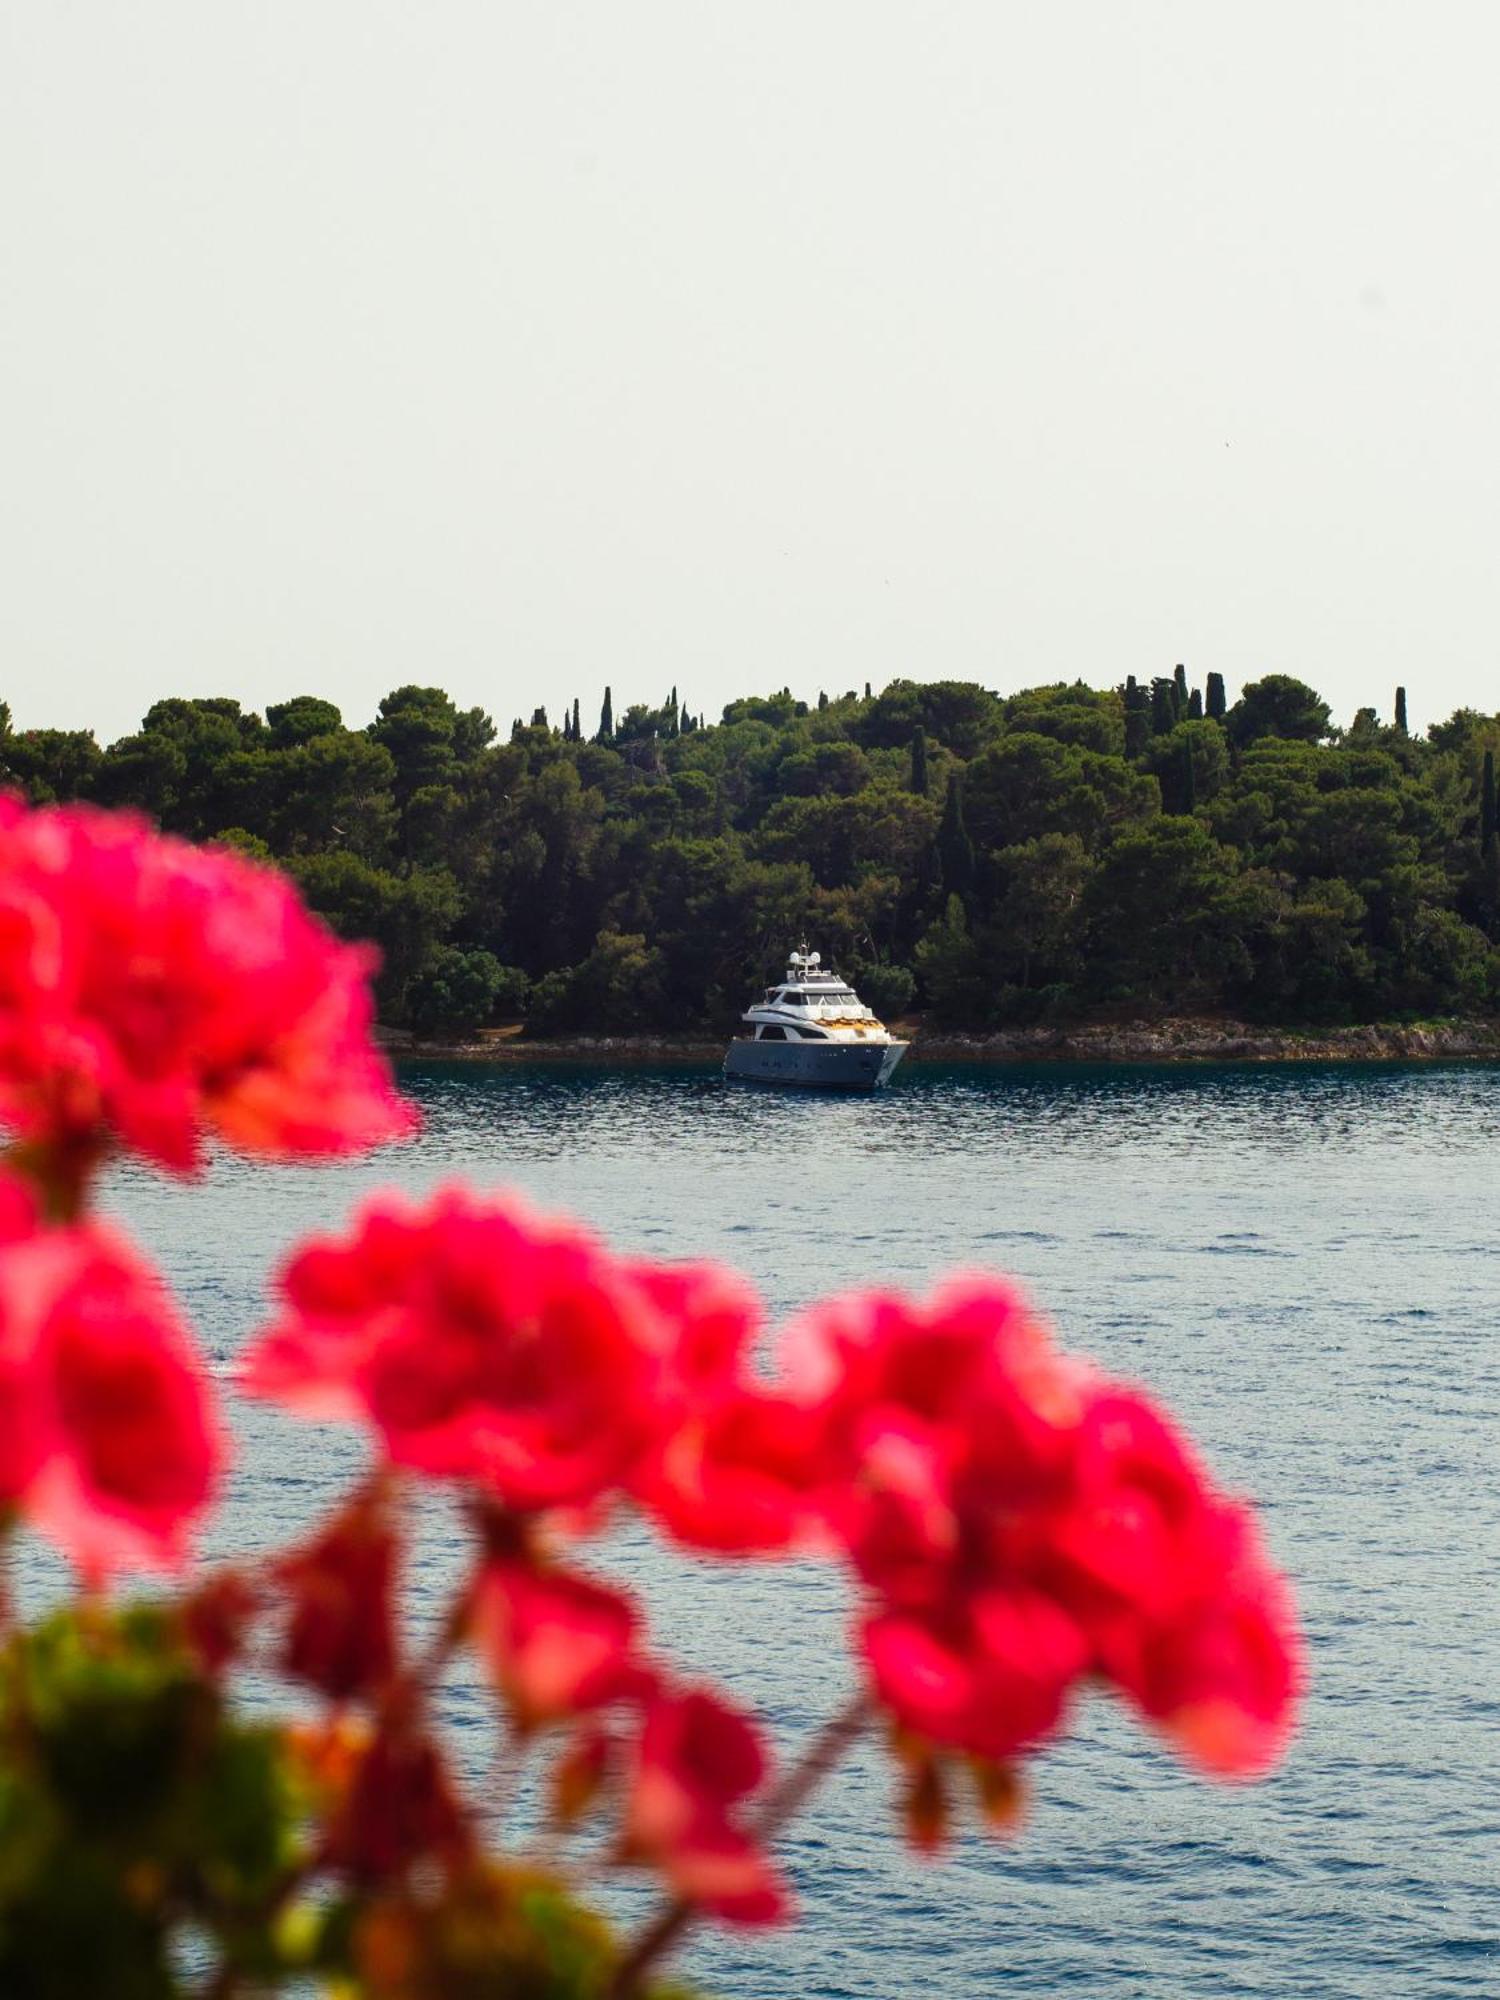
(153, 992)
(487, 1343)
(1024, 1526)
(109, 1444)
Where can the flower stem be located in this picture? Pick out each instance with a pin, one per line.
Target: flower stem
(59, 1170)
(826, 1749)
(783, 1802)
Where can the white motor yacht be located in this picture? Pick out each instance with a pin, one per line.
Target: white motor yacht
(814, 1030)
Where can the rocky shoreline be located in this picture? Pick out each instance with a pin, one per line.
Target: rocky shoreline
(1172, 1039)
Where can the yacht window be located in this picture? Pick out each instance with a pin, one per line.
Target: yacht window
(795, 999)
(772, 1034)
(811, 1034)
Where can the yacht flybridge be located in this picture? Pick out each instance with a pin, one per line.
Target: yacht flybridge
(812, 1029)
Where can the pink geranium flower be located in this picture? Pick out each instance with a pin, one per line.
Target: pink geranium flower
(154, 993)
(109, 1444)
(340, 1629)
(487, 1343)
(733, 1465)
(1022, 1525)
(557, 1643)
(990, 1674)
(1186, 1614)
(697, 1762)
(736, 1475)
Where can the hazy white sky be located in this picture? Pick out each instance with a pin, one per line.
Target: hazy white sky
(521, 348)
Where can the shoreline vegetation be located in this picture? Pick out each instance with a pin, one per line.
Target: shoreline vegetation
(1128, 873)
(1171, 1039)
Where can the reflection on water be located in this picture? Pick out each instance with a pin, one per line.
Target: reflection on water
(1301, 1260)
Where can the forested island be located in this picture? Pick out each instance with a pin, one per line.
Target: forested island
(1062, 855)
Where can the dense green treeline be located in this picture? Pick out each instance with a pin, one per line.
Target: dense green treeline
(992, 858)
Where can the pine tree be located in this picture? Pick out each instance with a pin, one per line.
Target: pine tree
(1401, 711)
(606, 719)
(1195, 706)
(1487, 814)
(955, 849)
(1180, 691)
(539, 718)
(1214, 704)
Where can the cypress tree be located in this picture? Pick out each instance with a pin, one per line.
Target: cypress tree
(1137, 719)
(1487, 804)
(1214, 703)
(1195, 706)
(822, 699)
(539, 718)
(1180, 690)
(606, 719)
(1190, 777)
(1401, 711)
(577, 725)
(1489, 884)
(919, 761)
(955, 849)
(867, 690)
(1163, 707)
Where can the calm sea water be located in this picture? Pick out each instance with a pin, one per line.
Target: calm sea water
(1303, 1262)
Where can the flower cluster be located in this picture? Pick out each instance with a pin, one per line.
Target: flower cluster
(108, 1439)
(484, 1344)
(1018, 1525)
(1015, 1525)
(152, 993)
(1023, 1525)
(514, 1356)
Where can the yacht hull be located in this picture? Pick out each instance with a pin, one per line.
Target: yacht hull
(814, 1065)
